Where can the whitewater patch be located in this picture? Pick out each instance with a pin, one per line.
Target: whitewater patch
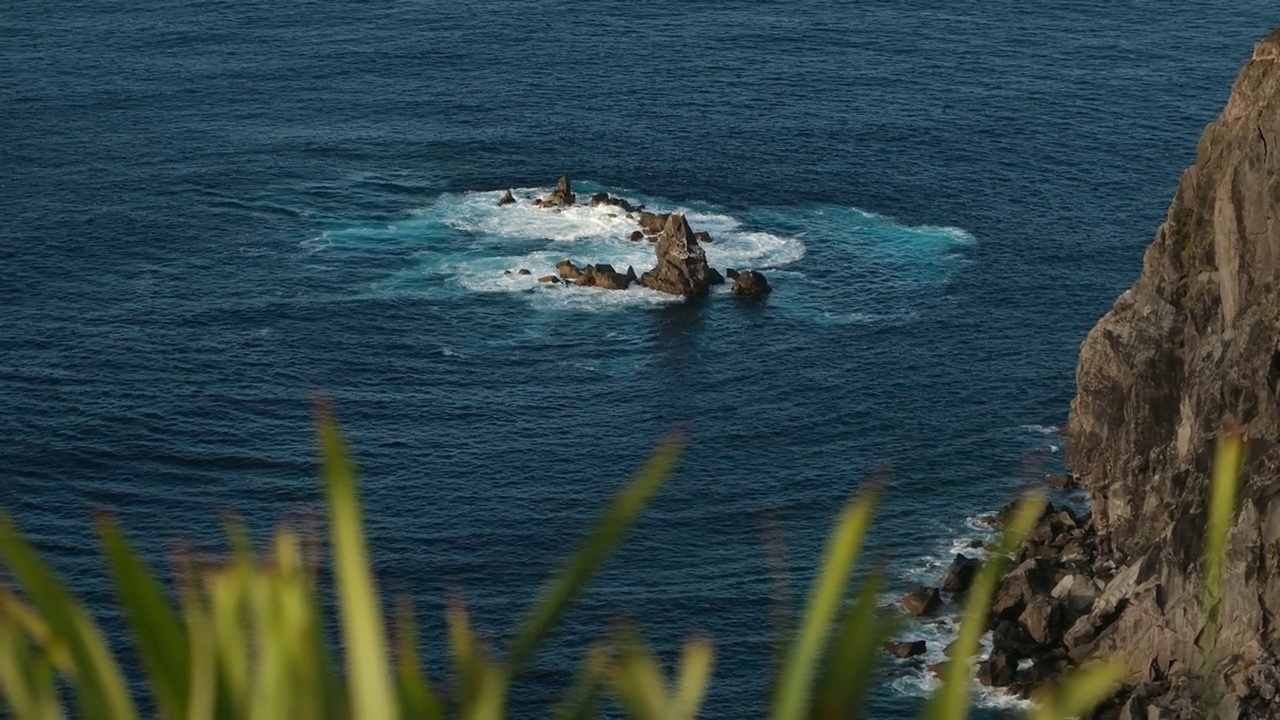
(465, 243)
(913, 676)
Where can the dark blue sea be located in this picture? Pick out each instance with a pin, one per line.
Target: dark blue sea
(210, 209)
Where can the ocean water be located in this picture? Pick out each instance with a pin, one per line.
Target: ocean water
(210, 209)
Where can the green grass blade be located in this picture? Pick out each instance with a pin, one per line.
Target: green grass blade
(159, 637)
(226, 590)
(491, 698)
(468, 660)
(583, 697)
(26, 677)
(608, 531)
(951, 701)
(638, 681)
(854, 655)
(100, 688)
(1080, 691)
(417, 698)
(364, 635)
(1222, 504)
(37, 629)
(796, 682)
(203, 680)
(691, 685)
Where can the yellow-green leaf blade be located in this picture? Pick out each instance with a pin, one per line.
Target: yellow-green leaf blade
(418, 699)
(828, 591)
(593, 552)
(695, 674)
(363, 632)
(100, 688)
(1080, 691)
(854, 655)
(1222, 501)
(951, 701)
(160, 640)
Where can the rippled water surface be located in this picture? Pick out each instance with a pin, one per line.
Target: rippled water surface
(211, 208)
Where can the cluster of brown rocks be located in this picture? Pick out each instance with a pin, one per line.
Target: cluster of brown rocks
(681, 268)
(598, 275)
(1188, 353)
(1065, 592)
(1041, 608)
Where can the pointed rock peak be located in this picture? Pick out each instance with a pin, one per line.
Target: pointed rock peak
(677, 228)
(563, 186)
(1268, 48)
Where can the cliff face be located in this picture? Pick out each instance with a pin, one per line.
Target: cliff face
(1191, 348)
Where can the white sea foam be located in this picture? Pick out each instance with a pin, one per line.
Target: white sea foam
(580, 233)
(916, 679)
(1040, 429)
(465, 242)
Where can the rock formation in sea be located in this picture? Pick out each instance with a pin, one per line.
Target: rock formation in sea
(561, 196)
(606, 199)
(1191, 351)
(682, 265)
(750, 282)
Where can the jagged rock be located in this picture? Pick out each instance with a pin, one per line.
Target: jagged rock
(652, 223)
(506, 272)
(603, 276)
(922, 601)
(1080, 634)
(506, 199)
(524, 271)
(1191, 348)
(562, 195)
(1060, 481)
(604, 199)
(1077, 592)
(751, 283)
(910, 648)
(714, 277)
(1011, 638)
(1031, 578)
(682, 265)
(568, 270)
(611, 281)
(636, 236)
(1046, 668)
(731, 273)
(1063, 520)
(549, 279)
(960, 574)
(1043, 619)
(702, 236)
(1001, 670)
(631, 274)
(982, 672)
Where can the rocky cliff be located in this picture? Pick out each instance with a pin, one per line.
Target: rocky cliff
(1193, 348)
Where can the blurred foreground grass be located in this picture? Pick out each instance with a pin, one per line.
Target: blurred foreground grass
(245, 637)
